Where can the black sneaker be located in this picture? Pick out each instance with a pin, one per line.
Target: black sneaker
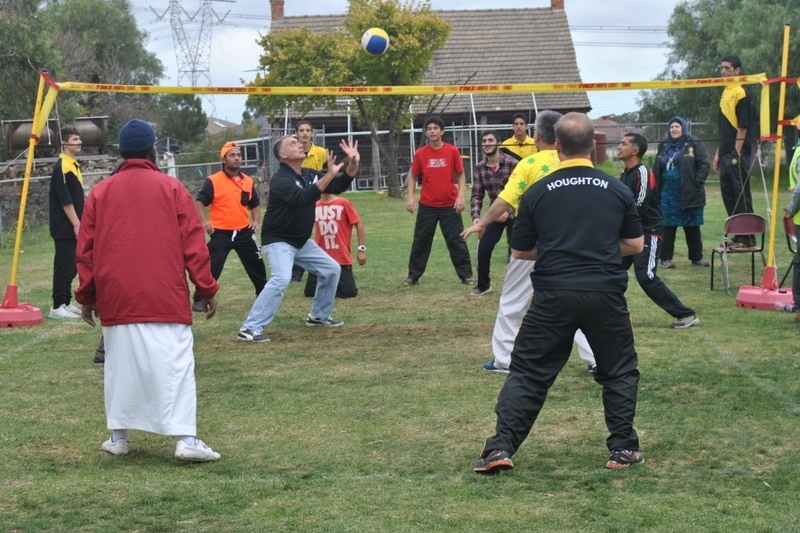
(468, 281)
(329, 322)
(494, 462)
(621, 459)
(250, 336)
(409, 281)
(480, 292)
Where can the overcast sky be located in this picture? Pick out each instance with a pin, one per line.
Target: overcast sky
(620, 40)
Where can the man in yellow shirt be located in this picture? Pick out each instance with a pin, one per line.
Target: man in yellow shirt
(316, 159)
(520, 145)
(315, 155)
(517, 287)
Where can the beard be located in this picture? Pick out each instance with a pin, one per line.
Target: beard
(490, 152)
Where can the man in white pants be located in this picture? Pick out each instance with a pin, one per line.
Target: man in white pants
(517, 287)
(140, 236)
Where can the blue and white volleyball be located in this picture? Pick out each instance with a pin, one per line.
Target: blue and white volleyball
(375, 41)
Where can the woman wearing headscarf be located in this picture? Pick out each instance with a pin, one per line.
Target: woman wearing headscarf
(681, 168)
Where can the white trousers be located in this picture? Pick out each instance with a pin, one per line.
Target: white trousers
(149, 378)
(514, 303)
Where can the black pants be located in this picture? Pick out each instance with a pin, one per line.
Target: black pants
(424, 230)
(297, 272)
(645, 265)
(64, 271)
(541, 350)
(734, 185)
(694, 241)
(345, 289)
(244, 242)
(492, 235)
(796, 273)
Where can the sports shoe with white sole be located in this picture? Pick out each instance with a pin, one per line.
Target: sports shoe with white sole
(199, 453)
(74, 309)
(329, 322)
(491, 366)
(480, 292)
(685, 322)
(62, 313)
(117, 447)
(250, 336)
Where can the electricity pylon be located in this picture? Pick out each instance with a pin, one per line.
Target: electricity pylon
(191, 35)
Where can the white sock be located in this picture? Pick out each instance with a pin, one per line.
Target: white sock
(117, 434)
(189, 440)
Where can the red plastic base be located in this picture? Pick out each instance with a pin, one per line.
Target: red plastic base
(14, 314)
(760, 298)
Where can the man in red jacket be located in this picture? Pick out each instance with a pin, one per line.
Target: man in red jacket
(140, 234)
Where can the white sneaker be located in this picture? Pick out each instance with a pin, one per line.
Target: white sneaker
(62, 313)
(74, 310)
(198, 453)
(118, 447)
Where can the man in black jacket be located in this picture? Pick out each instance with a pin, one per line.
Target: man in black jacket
(286, 234)
(643, 184)
(576, 223)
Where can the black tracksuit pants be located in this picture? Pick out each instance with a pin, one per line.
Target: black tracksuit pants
(541, 350)
(244, 242)
(645, 265)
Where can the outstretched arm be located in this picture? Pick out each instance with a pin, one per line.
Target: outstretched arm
(496, 211)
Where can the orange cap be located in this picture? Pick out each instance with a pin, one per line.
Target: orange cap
(227, 148)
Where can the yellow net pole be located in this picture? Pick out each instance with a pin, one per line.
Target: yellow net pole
(26, 181)
(769, 280)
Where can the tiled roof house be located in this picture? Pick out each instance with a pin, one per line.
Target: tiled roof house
(526, 45)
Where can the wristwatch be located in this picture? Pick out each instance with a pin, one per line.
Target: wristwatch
(362, 248)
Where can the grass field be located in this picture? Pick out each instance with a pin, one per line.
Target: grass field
(375, 426)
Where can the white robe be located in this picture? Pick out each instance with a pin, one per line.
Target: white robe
(149, 378)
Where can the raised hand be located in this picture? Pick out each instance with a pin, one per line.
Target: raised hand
(350, 149)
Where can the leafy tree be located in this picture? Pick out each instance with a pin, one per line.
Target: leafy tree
(631, 117)
(100, 43)
(181, 117)
(704, 31)
(25, 49)
(293, 58)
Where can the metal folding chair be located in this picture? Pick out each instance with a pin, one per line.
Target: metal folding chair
(741, 225)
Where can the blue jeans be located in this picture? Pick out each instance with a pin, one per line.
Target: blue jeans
(281, 257)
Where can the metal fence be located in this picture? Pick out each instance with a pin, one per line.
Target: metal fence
(257, 152)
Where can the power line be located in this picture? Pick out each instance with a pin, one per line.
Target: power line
(620, 29)
(591, 44)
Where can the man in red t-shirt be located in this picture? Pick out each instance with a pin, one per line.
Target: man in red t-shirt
(438, 168)
(333, 228)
